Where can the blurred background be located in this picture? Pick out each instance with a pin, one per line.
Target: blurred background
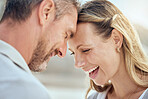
(66, 82)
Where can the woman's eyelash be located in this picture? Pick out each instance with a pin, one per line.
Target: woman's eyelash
(86, 50)
(66, 36)
(72, 53)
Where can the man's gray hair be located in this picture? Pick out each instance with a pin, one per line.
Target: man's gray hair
(20, 10)
(65, 6)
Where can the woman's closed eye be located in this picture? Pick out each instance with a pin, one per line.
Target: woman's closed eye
(66, 36)
(85, 51)
(72, 53)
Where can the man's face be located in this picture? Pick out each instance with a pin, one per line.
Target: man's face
(53, 41)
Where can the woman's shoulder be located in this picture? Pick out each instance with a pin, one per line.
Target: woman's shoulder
(144, 94)
(98, 95)
(94, 95)
(102, 95)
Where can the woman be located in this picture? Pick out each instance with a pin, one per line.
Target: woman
(108, 48)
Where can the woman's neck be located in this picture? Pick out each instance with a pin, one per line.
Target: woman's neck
(123, 86)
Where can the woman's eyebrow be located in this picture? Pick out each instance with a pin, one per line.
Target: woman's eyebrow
(79, 46)
(70, 49)
(83, 45)
(76, 47)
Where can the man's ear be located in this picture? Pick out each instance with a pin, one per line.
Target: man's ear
(46, 11)
(117, 38)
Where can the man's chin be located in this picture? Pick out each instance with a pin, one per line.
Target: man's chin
(39, 68)
(43, 66)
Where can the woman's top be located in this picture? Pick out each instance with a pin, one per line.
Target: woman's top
(102, 95)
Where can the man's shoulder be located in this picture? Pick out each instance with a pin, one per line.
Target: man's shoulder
(19, 88)
(7, 67)
(22, 89)
(18, 83)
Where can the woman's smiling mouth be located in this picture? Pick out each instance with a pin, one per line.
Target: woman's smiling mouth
(93, 72)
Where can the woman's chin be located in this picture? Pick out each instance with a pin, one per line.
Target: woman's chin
(99, 83)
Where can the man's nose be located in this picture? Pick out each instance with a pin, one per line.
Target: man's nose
(62, 50)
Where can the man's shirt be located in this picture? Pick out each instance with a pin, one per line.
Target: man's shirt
(16, 79)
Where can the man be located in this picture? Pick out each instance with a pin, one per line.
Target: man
(31, 32)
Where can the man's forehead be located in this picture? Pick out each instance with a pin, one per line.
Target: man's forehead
(2, 7)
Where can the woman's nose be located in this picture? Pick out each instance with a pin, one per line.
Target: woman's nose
(79, 62)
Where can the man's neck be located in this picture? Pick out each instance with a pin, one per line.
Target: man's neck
(16, 35)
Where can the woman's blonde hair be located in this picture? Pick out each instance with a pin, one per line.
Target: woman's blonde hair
(106, 17)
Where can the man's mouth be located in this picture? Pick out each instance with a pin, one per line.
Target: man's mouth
(52, 54)
(48, 56)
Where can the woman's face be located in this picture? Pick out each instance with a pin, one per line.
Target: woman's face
(93, 54)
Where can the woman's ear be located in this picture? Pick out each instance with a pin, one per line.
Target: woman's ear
(46, 11)
(117, 38)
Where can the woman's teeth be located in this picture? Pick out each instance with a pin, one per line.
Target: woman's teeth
(92, 69)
